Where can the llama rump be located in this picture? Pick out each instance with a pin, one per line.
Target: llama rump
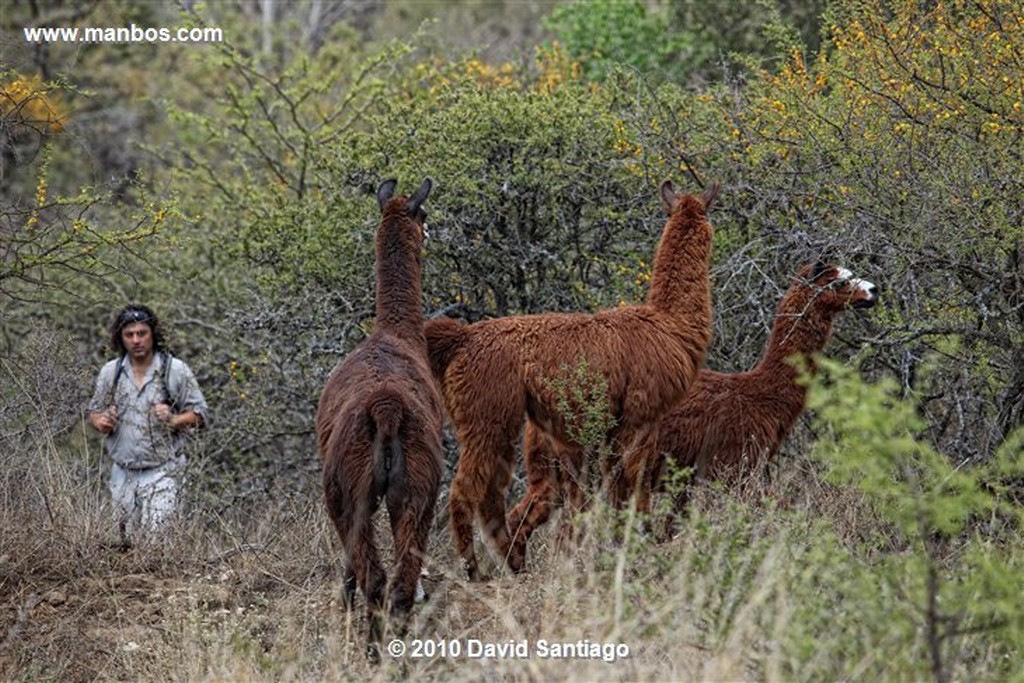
(494, 372)
(727, 424)
(379, 425)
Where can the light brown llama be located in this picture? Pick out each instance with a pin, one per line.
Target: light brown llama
(494, 372)
(726, 424)
(379, 425)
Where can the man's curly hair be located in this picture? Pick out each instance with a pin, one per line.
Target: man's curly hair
(136, 313)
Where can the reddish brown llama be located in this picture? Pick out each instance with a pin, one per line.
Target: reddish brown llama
(731, 423)
(494, 372)
(726, 424)
(379, 425)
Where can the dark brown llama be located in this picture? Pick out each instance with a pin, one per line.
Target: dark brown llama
(727, 424)
(494, 372)
(379, 425)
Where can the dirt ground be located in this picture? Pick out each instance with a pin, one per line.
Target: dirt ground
(86, 613)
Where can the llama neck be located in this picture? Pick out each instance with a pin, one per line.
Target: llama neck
(679, 281)
(802, 330)
(398, 280)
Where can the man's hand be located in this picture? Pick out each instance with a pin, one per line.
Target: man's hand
(104, 421)
(175, 421)
(163, 413)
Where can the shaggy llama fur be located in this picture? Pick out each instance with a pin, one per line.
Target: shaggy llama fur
(379, 425)
(494, 372)
(727, 424)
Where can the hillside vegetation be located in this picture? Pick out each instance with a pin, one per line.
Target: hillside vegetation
(230, 187)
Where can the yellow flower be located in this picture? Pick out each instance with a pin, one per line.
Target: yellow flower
(30, 102)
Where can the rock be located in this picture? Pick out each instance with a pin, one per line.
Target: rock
(55, 597)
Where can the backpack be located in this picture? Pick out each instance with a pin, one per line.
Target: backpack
(165, 374)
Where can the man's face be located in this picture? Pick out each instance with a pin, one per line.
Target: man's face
(138, 340)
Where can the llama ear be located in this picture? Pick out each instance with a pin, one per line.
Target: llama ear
(668, 196)
(384, 192)
(710, 194)
(819, 268)
(420, 196)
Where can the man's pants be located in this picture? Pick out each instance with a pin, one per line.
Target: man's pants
(145, 500)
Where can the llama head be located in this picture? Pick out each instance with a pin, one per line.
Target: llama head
(410, 208)
(836, 288)
(669, 198)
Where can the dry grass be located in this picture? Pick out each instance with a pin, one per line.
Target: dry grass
(253, 594)
(255, 597)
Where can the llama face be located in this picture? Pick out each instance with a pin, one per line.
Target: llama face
(836, 288)
(843, 289)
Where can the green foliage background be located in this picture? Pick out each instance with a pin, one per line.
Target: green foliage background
(230, 186)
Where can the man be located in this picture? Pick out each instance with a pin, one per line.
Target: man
(146, 402)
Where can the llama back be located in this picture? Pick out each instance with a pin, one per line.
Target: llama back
(381, 361)
(617, 345)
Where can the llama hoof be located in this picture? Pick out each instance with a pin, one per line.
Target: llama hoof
(517, 561)
(347, 598)
(477, 577)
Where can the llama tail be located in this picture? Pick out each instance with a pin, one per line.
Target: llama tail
(445, 336)
(386, 412)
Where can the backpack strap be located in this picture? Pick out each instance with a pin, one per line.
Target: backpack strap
(166, 371)
(117, 378)
(165, 375)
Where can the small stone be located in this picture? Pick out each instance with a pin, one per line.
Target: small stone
(56, 597)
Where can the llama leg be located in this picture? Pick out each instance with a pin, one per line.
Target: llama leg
(487, 425)
(677, 513)
(532, 511)
(479, 486)
(492, 509)
(348, 586)
(535, 508)
(408, 560)
(492, 515)
(573, 489)
(469, 486)
(373, 589)
(462, 510)
(411, 528)
(641, 475)
(420, 547)
(356, 530)
(349, 575)
(344, 519)
(613, 475)
(411, 511)
(634, 450)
